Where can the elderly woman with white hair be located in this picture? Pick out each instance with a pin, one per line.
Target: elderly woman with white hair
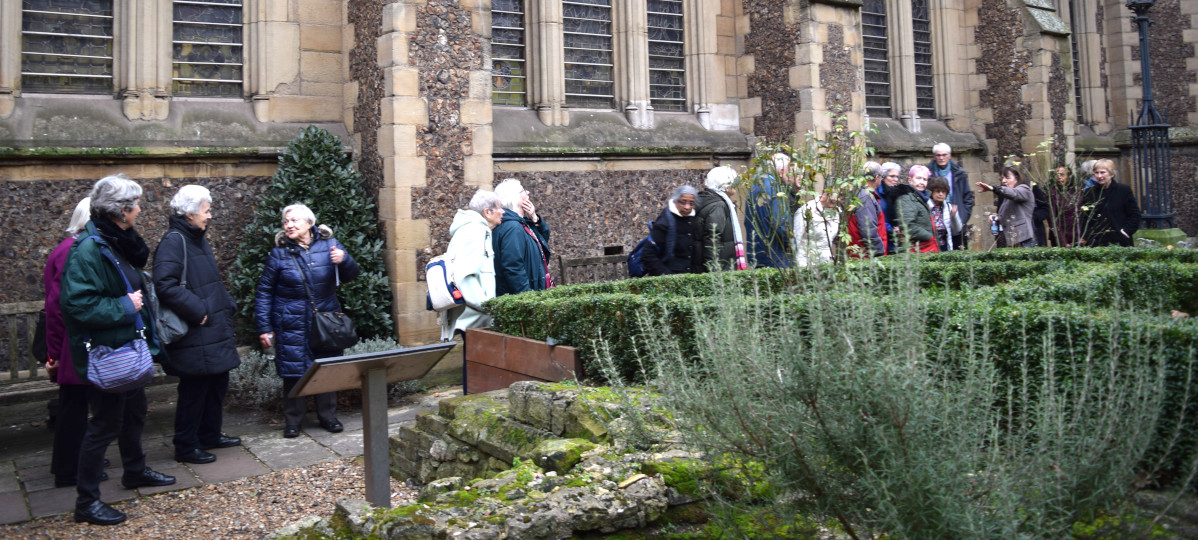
(521, 243)
(472, 260)
(103, 302)
(71, 421)
(188, 283)
(717, 225)
(675, 237)
(301, 274)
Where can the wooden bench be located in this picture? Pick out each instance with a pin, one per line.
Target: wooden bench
(23, 377)
(593, 269)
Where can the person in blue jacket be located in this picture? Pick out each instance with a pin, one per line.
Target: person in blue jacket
(521, 243)
(305, 257)
(769, 222)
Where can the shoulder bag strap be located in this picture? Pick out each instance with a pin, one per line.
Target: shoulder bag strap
(141, 326)
(304, 280)
(183, 277)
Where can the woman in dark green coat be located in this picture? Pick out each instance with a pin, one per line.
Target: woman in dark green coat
(96, 304)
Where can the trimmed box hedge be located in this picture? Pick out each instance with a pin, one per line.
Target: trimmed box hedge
(1026, 281)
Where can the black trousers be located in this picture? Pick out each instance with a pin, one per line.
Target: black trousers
(69, 426)
(294, 409)
(114, 416)
(200, 410)
(960, 241)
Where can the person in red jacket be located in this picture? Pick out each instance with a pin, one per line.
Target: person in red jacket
(867, 225)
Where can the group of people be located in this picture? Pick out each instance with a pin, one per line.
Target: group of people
(98, 294)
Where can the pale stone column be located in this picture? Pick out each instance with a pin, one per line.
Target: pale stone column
(476, 110)
(705, 83)
(142, 57)
(271, 53)
(952, 43)
(1089, 52)
(546, 62)
(1122, 65)
(902, 57)
(403, 112)
(632, 60)
(10, 55)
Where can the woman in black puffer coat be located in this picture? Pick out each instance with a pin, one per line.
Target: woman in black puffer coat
(203, 357)
(675, 238)
(283, 313)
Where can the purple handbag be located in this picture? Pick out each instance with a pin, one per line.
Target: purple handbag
(124, 368)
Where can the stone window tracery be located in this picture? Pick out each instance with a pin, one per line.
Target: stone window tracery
(877, 58)
(207, 48)
(587, 35)
(667, 61)
(509, 73)
(66, 47)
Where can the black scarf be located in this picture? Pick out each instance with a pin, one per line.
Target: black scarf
(125, 242)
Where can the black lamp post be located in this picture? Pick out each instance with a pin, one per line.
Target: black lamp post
(1150, 139)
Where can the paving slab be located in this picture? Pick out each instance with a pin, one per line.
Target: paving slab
(12, 508)
(33, 467)
(8, 478)
(52, 502)
(346, 444)
(184, 477)
(231, 466)
(279, 453)
(112, 491)
(38, 484)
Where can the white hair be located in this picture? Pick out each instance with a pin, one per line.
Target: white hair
(301, 211)
(484, 200)
(114, 195)
(509, 192)
(79, 219)
(885, 169)
(1088, 167)
(684, 189)
(189, 199)
(942, 147)
(719, 178)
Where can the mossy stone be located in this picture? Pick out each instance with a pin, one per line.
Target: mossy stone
(561, 455)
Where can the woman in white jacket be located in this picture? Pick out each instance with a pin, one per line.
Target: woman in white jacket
(816, 225)
(472, 262)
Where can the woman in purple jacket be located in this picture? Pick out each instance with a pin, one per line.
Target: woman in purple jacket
(71, 422)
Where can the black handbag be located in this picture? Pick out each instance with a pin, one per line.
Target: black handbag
(332, 331)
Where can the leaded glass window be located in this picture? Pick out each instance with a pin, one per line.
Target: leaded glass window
(207, 48)
(587, 33)
(921, 30)
(667, 63)
(877, 58)
(508, 72)
(1077, 64)
(66, 46)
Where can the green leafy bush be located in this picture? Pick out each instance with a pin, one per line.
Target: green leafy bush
(316, 171)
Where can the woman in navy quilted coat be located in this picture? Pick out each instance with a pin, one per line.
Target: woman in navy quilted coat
(303, 254)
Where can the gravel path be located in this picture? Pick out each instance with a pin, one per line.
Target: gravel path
(246, 508)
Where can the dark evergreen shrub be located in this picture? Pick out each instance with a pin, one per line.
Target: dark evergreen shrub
(316, 171)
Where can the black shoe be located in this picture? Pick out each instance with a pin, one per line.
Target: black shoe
(68, 482)
(148, 478)
(291, 432)
(98, 513)
(107, 463)
(222, 442)
(332, 426)
(195, 456)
